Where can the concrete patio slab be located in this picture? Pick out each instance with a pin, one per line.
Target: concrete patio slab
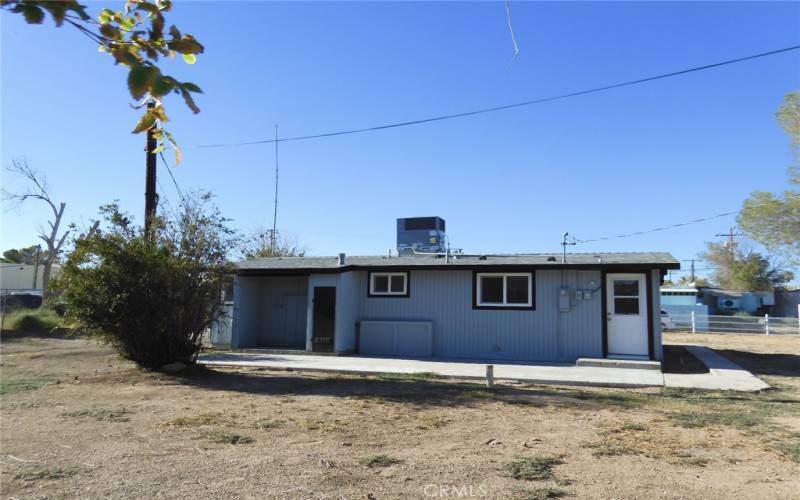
(724, 375)
(549, 373)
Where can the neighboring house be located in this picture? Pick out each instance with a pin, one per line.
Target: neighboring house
(710, 300)
(501, 307)
(683, 300)
(731, 302)
(21, 276)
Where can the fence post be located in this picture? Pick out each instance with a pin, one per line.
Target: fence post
(693, 324)
(766, 323)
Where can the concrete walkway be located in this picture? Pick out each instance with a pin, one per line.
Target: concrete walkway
(548, 373)
(724, 374)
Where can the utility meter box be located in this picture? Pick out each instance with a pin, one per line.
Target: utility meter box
(563, 300)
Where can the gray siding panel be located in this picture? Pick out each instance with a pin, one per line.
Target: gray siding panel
(270, 311)
(445, 299)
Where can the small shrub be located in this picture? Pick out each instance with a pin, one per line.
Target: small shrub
(380, 461)
(40, 320)
(151, 296)
(538, 468)
(230, 438)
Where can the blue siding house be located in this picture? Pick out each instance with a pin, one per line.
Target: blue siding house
(428, 302)
(523, 308)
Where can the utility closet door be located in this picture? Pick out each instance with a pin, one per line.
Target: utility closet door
(626, 315)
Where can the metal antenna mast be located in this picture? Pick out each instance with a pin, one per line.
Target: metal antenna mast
(564, 243)
(275, 209)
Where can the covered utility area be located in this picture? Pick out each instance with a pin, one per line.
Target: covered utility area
(271, 312)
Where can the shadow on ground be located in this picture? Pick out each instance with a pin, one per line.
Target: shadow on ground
(785, 365)
(417, 390)
(677, 359)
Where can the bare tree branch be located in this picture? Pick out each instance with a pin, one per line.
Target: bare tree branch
(40, 190)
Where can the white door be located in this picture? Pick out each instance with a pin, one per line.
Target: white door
(626, 315)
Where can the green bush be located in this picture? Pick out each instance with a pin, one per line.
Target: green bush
(32, 320)
(151, 296)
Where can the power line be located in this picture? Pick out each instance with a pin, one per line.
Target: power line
(656, 229)
(174, 181)
(507, 106)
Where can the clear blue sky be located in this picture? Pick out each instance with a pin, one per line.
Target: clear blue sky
(513, 181)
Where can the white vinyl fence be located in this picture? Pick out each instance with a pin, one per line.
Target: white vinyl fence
(749, 325)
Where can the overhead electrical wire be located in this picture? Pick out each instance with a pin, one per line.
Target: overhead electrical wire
(174, 181)
(506, 106)
(656, 229)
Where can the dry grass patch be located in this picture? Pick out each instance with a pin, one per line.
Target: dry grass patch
(222, 437)
(100, 414)
(635, 439)
(47, 474)
(739, 420)
(323, 425)
(684, 458)
(264, 425)
(542, 494)
(209, 418)
(433, 422)
(16, 385)
(790, 450)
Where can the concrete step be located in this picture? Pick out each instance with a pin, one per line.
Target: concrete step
(619, 363)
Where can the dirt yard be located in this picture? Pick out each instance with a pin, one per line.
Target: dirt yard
(79, 422)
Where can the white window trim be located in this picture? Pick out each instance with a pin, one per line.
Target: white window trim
(389, 292)
(505, 303)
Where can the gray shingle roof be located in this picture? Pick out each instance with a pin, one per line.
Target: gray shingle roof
(661, 260)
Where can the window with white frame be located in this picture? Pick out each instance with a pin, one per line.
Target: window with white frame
(388, 284)
(504, 290)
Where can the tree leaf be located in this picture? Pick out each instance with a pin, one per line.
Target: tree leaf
(145, 122)
(189, 101)
(189, 58)
(33, 14)
(162, 85)
(191, 87)
(140, 78)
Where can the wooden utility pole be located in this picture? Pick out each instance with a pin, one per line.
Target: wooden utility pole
(731, 235)
(150, 195)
